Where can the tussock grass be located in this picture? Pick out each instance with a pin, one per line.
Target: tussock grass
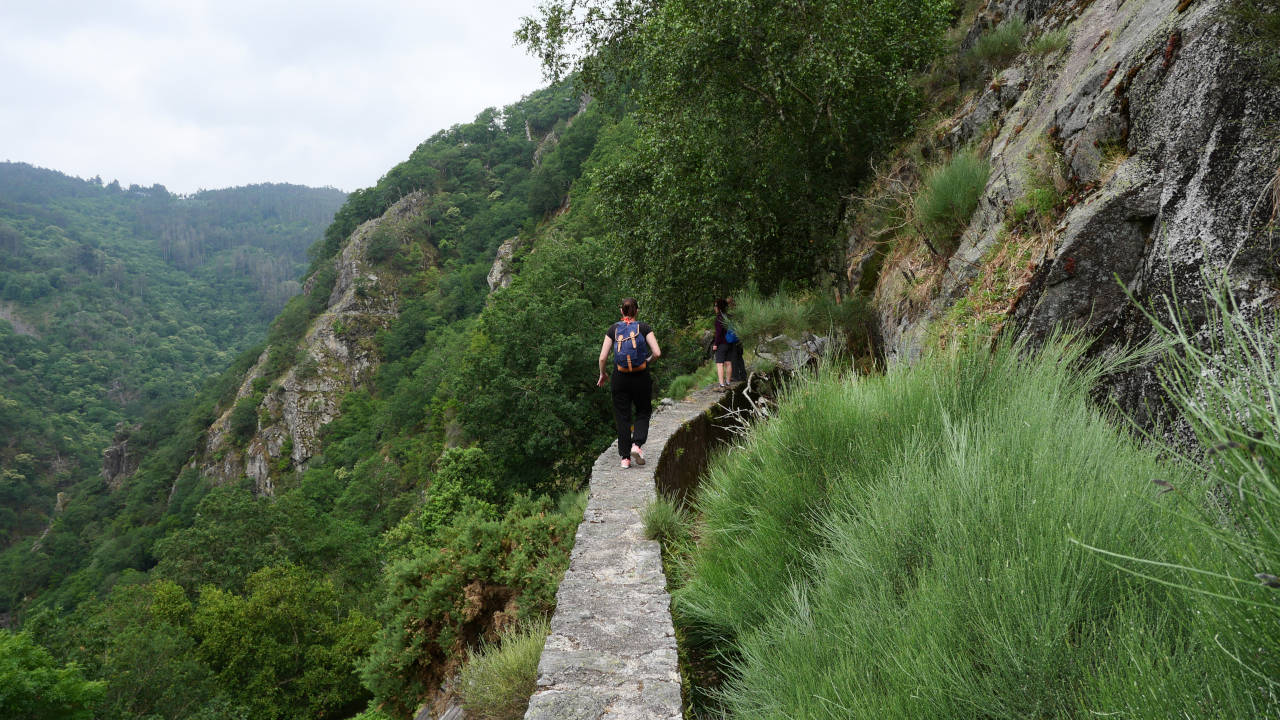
(1224, 378)
(667, 522)
(904, 546)
(1000, 44)
(949, 195)
(498, 679)
(794, 314)
(1049, 43)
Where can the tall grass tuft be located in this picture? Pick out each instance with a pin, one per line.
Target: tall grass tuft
(1000, 44)
(1048, 43)
(757, 317)
(949, 196)
(498, 679)
(667, 522)
(901, 546)
(1224, 379)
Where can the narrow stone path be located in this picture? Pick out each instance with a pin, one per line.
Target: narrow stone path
(612, 648)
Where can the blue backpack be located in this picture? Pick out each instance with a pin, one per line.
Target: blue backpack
(630, 350)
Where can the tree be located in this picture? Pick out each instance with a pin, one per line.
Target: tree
(755, 119)
(33, 686)
(285, 648)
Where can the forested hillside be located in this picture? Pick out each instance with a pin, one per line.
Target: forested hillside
(115, 303)
(430, 501)
(438, 499)
(394, 475)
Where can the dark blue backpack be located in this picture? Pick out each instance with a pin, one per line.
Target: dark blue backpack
(630, 350)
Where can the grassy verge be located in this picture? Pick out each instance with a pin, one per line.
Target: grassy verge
(499, 678)
(909, 546)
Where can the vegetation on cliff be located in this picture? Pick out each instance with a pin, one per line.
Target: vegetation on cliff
(116, 303)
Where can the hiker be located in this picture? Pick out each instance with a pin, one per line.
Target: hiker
(724, 344)
(736, 362)
(634, 349)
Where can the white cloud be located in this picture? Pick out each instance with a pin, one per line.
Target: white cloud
(212, 94)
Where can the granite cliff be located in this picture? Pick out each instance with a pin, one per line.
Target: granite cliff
(1154, 126)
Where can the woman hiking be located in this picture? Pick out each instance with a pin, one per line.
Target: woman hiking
(724, 344)
(634, 348)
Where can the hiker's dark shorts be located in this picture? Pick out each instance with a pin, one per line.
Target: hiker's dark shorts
(722, 352)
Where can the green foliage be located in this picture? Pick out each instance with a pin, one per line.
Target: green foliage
(137, 638)
(115, 305)
(1000, 44)
(34, 686)
(243, 422)
(753, 119)
(527, 382)
(902, 546)
(1042, 202)
(757, 317)
(499, 678)
(1223, 380)
(285, 649)
(465, 483)
(948, 197)
(682, 385)
(437, 600)
(462, 168)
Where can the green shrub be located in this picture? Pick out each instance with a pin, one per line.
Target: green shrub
(499, 678)
(666, 521)
(757, 316)
(1042, 202)
(1037, 203)
(438, 598)
(1000, 44)
(949, 195)
(243, 422)
(900, 546)
(681, 386)
(1050, 42)
(35, 686)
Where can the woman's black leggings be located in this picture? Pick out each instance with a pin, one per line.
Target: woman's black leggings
(631, 389)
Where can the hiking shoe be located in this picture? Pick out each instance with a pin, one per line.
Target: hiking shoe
(626, 463)
(637, 455)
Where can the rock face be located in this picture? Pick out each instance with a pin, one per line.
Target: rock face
(117, 462)
(337, 354)
(1168, 134)
(501, 273)
(791, 355)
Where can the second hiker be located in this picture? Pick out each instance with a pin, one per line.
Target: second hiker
(634, 348)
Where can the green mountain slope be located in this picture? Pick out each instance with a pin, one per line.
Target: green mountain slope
(114, 302)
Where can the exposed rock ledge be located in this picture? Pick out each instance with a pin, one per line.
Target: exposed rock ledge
(339, 355)
(612, 647)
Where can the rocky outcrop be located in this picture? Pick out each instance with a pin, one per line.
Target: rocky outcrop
(1167, 135)
(9, 312)
(502, 271)
(118, 463)
(337, 354)
(789, 354)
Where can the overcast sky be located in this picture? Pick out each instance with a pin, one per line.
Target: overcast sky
(207, 94)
